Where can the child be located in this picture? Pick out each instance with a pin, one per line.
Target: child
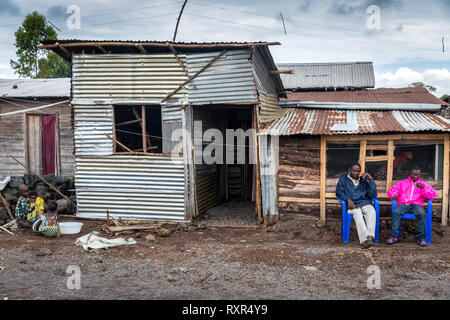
(37, 207)
(23, 206)
(48, 222)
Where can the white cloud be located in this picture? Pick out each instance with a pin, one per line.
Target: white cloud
(403, 77)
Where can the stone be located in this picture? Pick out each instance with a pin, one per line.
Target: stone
(310, 268)
(150, 238)
(163, 232)
(16, 182)
(3, 214)
(30, 180)
(64, 206)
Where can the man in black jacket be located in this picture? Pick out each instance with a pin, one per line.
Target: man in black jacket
(358, 191)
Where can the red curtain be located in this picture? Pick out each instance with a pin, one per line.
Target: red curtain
(48, 144)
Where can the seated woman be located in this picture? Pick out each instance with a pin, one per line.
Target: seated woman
(48, 222)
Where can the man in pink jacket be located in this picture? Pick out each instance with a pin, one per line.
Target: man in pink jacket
(410, 195)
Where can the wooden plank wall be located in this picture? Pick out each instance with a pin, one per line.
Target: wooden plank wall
(13, 137)
(299, 173)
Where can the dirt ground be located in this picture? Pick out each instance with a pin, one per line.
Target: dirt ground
(298, 258)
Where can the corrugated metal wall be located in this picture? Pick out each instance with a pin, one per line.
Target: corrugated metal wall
(270, 109)
(130, 187)
(267, 88)
(208, 186)
(227, 80)
(91, 123)
(132, 76)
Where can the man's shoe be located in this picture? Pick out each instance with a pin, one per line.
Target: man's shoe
(370, 241)
(392, 240)
(365, 245)
(422, 243)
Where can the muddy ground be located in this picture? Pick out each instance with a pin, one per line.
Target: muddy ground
(298, 258)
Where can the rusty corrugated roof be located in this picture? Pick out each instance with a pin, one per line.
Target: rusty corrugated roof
(381, 95)
(322, 121)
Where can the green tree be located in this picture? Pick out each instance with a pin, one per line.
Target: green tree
(33, 62)
(53, 67)
(445, 96)
(423, 85)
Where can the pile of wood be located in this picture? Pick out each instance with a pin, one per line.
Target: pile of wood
(116, 227)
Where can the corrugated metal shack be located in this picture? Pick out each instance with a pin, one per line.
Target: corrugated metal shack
(322, 133)
(41, 138)
(129, 97)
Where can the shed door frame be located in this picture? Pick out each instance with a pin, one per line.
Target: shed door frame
(57, 144)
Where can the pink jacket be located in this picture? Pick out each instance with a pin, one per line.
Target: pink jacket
(408, 193)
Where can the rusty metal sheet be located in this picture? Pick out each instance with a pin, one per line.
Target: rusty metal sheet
(320, 122)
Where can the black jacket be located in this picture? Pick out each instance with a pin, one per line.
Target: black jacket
(360, 195)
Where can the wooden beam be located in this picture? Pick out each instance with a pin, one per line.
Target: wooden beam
(141, 48)
(376, 158)
(282, 71)
(323, 176)
(390, 165)
(102, 49)
(386, 137)
(117, 142)
(258, 204)
(362, 155)
(63, 49)
(159, 44)
(144, 130)
(317, 201)
(181, 64)
(445, 182)
(377, 147)
(128, 122)
(201, 70)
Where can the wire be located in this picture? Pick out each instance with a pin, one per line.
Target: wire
(105, 14)
(290, 148)
(309, 36)
(306, 24)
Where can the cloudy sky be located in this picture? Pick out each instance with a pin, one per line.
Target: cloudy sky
(407, 40)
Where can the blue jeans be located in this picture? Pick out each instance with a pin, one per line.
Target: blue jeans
(418, 211)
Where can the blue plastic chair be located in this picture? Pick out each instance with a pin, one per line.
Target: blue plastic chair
(347, 218)
(412, 216)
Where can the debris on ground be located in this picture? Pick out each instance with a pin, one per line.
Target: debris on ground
(163, 232)
(92, 242)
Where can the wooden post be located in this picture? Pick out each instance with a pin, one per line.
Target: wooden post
(390, 164)
(144, 130)
(258, 165)
(362, 154)
(445, 178)
(323, 176)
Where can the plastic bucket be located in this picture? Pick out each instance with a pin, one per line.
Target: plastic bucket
(70, 227)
